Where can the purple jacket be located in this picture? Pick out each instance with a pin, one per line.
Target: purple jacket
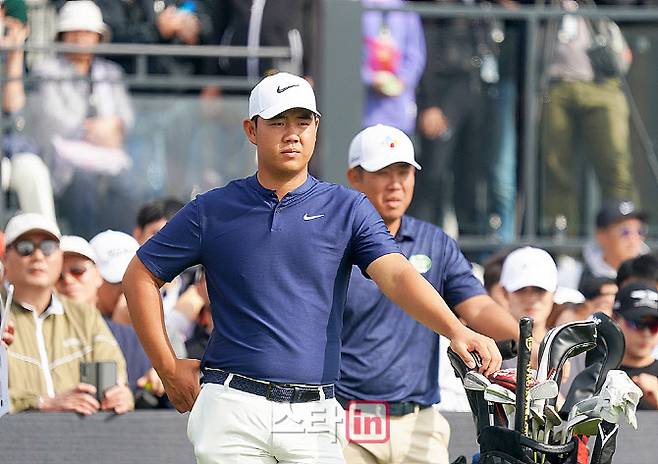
(406, 31)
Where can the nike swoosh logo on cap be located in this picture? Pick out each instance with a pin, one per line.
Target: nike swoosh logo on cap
(281, 90)
(310, 218)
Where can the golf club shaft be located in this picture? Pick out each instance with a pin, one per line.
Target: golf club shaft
(523, 375)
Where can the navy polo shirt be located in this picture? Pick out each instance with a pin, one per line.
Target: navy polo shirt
(277, 272)
(387, 355)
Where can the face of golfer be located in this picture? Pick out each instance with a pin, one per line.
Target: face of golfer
(285, 142)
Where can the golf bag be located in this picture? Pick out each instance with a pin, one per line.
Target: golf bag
(499, 445)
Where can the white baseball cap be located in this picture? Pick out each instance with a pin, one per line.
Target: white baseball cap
(28, 222)
(113, 250)
(379, 146)
(565, 295)
(77, 245)
(280, 92)
(81, 15)
(528, 267)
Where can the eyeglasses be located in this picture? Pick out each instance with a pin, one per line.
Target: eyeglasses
(75, 271)
(28, 247)
(627, 231)
(639, 326)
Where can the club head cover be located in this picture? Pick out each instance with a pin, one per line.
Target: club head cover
(564, 342)
(605, 356)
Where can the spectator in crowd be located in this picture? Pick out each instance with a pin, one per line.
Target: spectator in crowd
(152, 217)
(529, 278)
(394, 60)
(181, 301)
(80, 282)
(23, 171)
(382, 166)
(80, 279)
(186, 22)
(636, 311)
(82, 112)
(114, 250)
(585, 108)
(491, 277)
(643, 268)
(568, 305)
(53, 335)
(460, 63)
(196, 344)
(620, 232)
(599, 293)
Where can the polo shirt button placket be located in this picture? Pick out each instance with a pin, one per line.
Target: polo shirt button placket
(277, 218)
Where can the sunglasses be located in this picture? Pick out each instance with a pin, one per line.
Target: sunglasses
(75, 271)
(627, 231)
(639, 326)
(28, 247)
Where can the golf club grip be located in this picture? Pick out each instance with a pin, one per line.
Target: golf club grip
(523, 375)
(508, 348)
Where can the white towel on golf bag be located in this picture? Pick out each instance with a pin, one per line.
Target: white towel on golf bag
(619, 396)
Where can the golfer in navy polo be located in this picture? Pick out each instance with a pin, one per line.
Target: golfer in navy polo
(278, 250)
(387, 355)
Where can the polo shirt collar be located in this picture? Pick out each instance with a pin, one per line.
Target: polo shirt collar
(405, 232)
(305, 187)
(55, 308)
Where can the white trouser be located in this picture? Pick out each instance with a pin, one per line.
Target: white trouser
(30, 179)
(230, 426)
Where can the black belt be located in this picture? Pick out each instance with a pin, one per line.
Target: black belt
(278, 392)
(394, 409)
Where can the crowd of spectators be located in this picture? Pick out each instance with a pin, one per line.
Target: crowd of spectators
(442, 80)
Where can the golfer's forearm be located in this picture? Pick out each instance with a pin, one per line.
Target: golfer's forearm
(485, 316)
(145, 307)
(402, 284)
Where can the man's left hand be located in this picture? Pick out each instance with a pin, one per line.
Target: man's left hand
(118, 398)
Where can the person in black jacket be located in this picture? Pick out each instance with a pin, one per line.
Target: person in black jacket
(284, 23)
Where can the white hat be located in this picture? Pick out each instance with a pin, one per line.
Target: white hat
(565, 295)
(379, 146)
(77, 245)
(81, 15)
(529, 267)
(27, 222)
(114, 250)
(280, 92)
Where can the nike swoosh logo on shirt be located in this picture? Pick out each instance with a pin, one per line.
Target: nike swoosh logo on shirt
(310, 218)
(281, 90)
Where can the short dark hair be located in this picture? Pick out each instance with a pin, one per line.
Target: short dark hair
(643, 267)
(162, 208)
(591, 286)
(493, 267)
